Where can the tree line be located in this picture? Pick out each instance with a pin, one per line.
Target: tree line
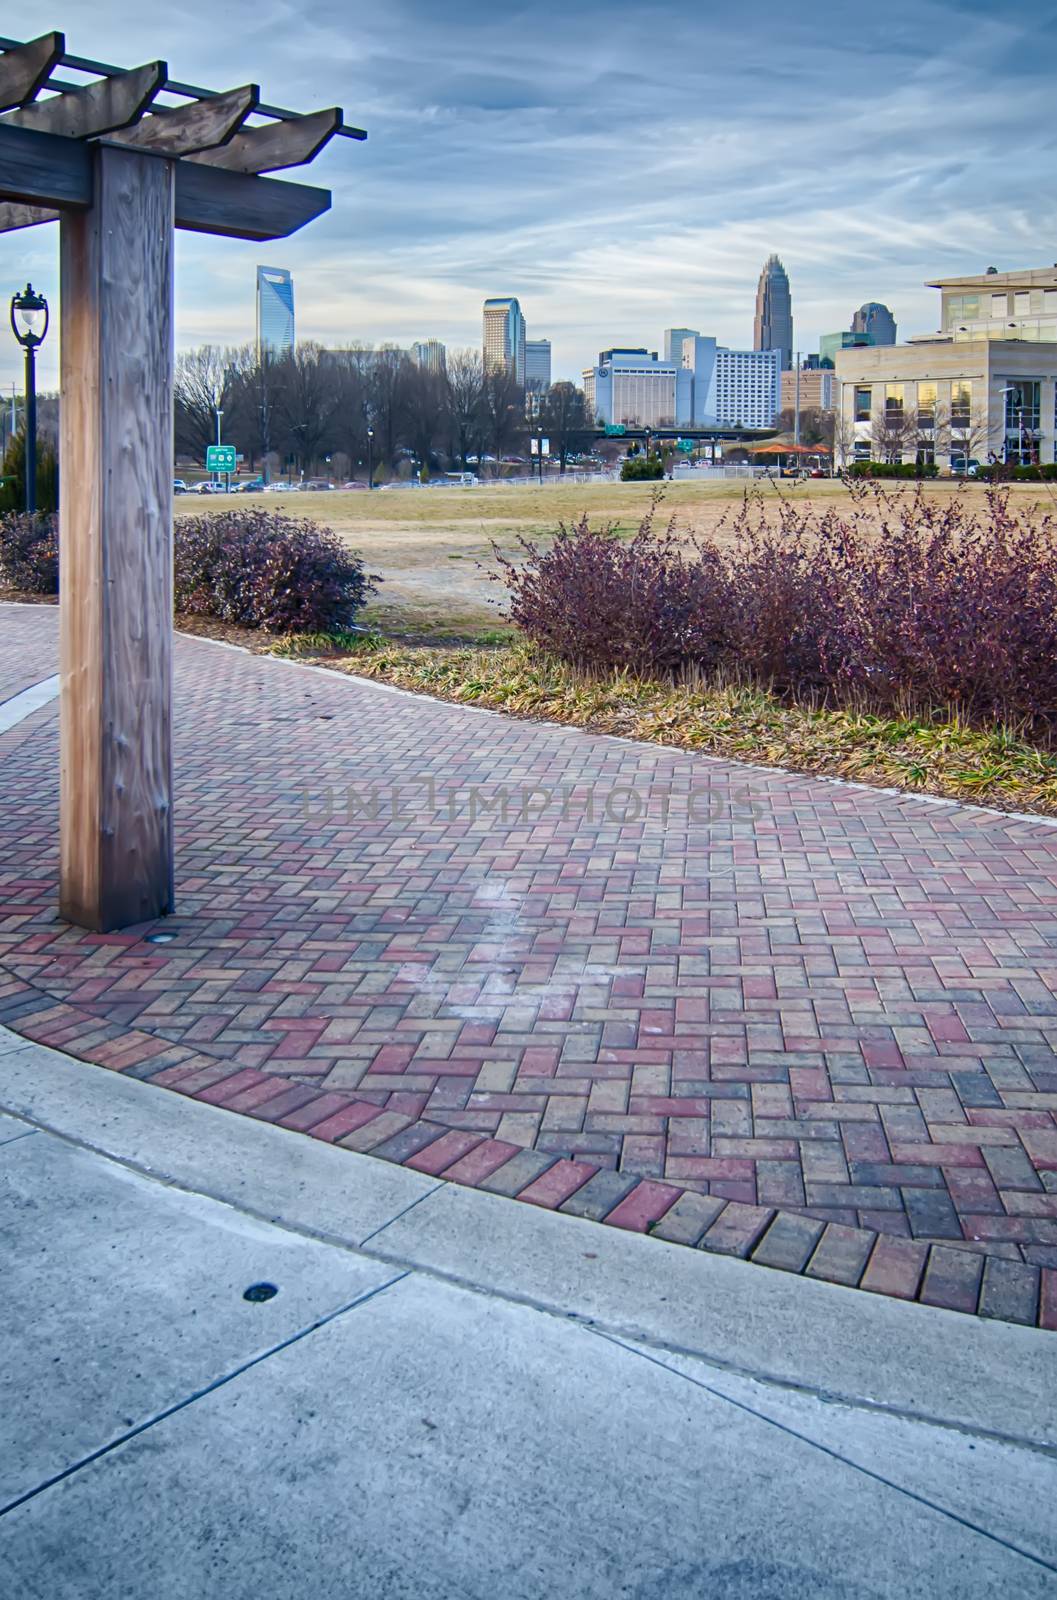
(311, 407)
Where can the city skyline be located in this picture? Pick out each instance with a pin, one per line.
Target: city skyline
(409, 253)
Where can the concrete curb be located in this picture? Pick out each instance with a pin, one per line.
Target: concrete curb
(989, 1378)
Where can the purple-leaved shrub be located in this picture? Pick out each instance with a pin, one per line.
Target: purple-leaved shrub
(902, 603)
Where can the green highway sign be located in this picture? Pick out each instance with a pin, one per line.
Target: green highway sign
(220, 458)
(615, 430)
(685, 444)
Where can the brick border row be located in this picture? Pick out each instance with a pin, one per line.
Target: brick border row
(951, 1275)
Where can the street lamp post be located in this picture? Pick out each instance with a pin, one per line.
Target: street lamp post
(370, 458)
(29, 322)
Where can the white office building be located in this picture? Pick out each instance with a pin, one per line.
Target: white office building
(633, 388)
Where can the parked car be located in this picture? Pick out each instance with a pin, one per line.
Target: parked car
(314, 485)
(179, 486)
(205, 487)
(282, 487)
(248, 486)
(354, 484)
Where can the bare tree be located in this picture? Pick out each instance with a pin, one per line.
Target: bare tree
(464, 395)
(892, 433)
(565, 419)
(202, 386)
(502, 410)
(307, 401)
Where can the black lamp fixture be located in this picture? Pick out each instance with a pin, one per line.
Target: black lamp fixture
(29, 323)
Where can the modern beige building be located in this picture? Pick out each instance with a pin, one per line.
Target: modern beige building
(983, 388)
(503, 340)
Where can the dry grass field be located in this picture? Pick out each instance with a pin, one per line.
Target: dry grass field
(433, 547)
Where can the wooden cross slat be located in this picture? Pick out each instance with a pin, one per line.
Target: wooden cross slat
(277, 145)
(22, 71)
(197, 126)
(99, 107)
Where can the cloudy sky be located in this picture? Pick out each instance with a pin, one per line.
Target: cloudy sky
(619, 167)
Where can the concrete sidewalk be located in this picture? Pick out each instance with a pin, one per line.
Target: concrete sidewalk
(454, 1395)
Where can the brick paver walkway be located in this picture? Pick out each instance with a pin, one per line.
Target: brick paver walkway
(745, 1009)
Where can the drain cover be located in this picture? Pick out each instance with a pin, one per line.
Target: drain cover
(260, 1291)
(160, 938)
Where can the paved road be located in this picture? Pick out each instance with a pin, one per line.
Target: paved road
(449, 1395)
(610, 961)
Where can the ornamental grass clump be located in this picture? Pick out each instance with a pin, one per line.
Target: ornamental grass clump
(260, 569)
(902, 604)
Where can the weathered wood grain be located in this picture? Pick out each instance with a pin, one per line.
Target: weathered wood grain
(275, 146)
(209, 200)
(99, 107)
(116, 548)
(23, 70)
(42, 169)
(196, 126)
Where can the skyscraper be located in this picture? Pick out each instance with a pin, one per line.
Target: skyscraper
(537, 363)
(876, 320)
(773, 324)
(504, 337)
(431, 354)
(275, 311)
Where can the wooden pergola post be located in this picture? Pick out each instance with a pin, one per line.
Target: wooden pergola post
(121, 171)
(116, 293)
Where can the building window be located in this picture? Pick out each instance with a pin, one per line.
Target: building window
(999, 305)
(926, 405)
(1022, 303)
(863, 402)
(1022, 417)
(961, 404)
(894, 401)
(861, 450)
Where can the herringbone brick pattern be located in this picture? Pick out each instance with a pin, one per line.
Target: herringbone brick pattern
(764, 1013)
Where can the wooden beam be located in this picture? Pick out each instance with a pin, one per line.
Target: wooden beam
(98, 107)
(13, 217)
(209, 200)
(43, 169)
(277, 145)
(116, 550)
(196, 126)
(22, 71)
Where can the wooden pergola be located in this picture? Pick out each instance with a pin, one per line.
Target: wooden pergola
(120, 160)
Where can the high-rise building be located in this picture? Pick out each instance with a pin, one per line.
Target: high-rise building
(773, 323)
(275, 311)
(876, 320)
(430, 354)
(816, 389)
(674, 339)
(700, 384)
(537, 363)
(830, 343)
(725, 387)
(504, 337)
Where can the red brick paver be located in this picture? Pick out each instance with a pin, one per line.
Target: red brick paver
(808, 1024)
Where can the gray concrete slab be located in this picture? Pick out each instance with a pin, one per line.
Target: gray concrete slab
(270, 1172)
(436, 1442)
(985, 1376)
(121, 1297)
(1006, 1489)
(917, 1359)
(13, 1128)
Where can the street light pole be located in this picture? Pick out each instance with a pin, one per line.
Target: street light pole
(370, 458)
(29, 322)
